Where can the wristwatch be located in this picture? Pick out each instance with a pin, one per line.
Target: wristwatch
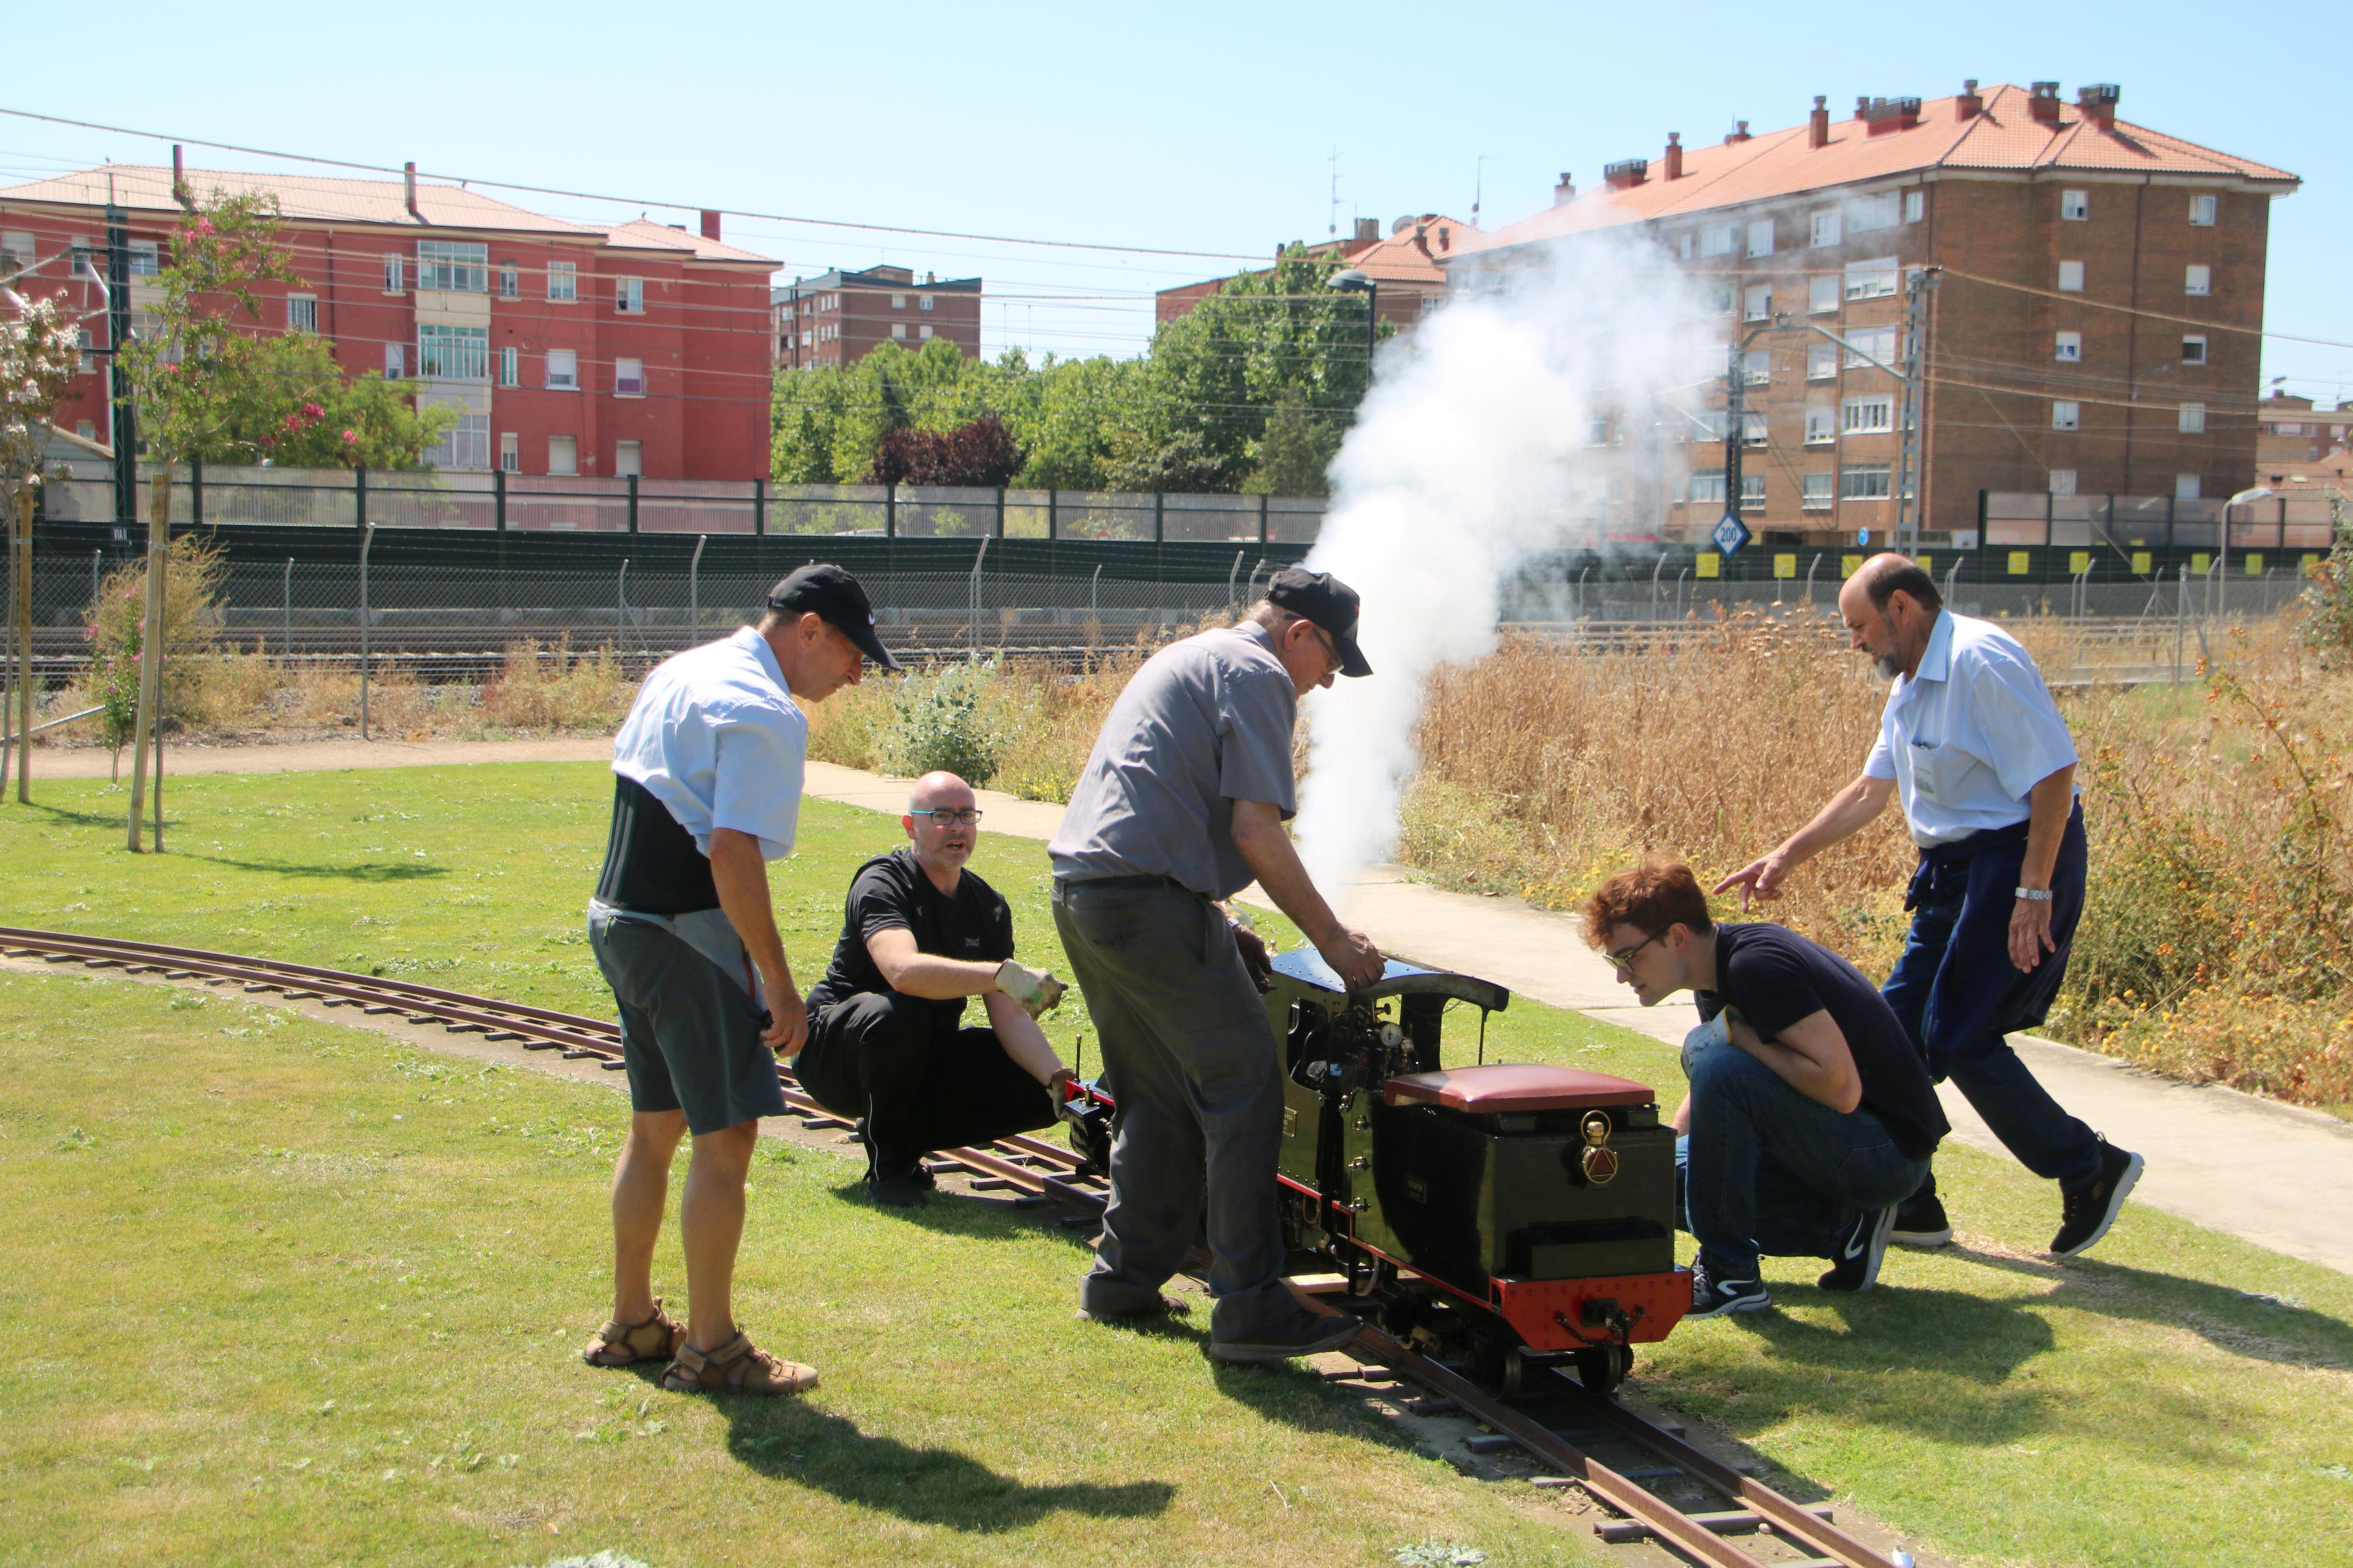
(2035, 895)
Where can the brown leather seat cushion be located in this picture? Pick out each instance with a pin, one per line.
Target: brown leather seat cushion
(1507, 1087)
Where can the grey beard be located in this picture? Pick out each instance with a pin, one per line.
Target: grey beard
(1887, 666)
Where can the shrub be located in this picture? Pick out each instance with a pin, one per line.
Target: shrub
(951, 718)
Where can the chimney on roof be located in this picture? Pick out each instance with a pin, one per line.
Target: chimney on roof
(710, 223)
(1882, 115)
(1739, 132)
(1862, 106)
(1445, 237)
(1817, 124)
(180, 181)
(1564, 192)
(1674, 158)
(1968, 105)
(408, 186)
(2098, 102)
(1368, 231)
(2042, 104)
(1625, 171)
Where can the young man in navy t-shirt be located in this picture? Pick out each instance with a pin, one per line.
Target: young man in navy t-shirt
(1811, 1115)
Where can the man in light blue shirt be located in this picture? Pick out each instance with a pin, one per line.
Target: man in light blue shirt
(1973, 746)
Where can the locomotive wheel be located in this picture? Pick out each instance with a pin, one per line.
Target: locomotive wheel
(1601, 1368)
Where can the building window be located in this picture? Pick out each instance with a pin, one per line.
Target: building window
(2192, 421)
(2202, 211)
(1868, 415)
(453, 266)
(395, 361)
(899, 330)
(1760, 238)
(1756, 367)
(898, 302)
(511, 452)
(1866, 214)
(146, 259)
(628, 458)
(1752, 490)
(2067, 416)
(1758, 306)
(1708, 487)
(2075, 205)
(88, 362)
(1878, 342)
(1707, 424)
(1823, 293)
(629, 296)
(461, 353)
(925, 302)
(2063, 482)
(1751, 429)
(2071, 277)
(86, 429)
(563, 370)
(925, 329)
(509, 280)
(509, 367)
(1915, 205)
(2198, 280)
(1718, 239)
(2185, 486)
(628, 378)
(564, 281)
(1864, 481)
(395, 274)
(1814, 492)
(562, 454)
(1822, 361)
(465, 445)
(17, 254)
(1872, 280)
(301, 312)
(2068, 348)
(2193, 349)
(1828, 230)
(1822, 426)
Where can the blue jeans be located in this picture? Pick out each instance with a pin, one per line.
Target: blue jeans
(1766, 1170)
(1958, 996)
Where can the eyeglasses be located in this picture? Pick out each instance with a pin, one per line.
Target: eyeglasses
(1331, 648)
(967, 817)
(1623, 962)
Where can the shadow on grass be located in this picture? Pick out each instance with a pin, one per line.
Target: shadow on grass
(365, 871)
(796, 1442)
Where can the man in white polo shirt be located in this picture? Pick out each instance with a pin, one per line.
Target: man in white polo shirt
(1976, 749)
(706, 791)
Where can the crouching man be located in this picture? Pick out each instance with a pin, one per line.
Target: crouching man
(1811, 1116)
(887, 1045)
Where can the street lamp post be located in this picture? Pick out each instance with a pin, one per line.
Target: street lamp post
(1353, 281)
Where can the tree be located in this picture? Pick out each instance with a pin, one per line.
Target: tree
(980, 453)
(1294, 455)
(40, 353)
(290, 403)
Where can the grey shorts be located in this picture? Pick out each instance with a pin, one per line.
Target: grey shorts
(689, 1034)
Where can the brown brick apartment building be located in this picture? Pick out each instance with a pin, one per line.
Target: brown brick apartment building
(1407, 265)
(839, 317)
(2093, 327)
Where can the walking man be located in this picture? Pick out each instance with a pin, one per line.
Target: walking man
(706, 789)
(887, 1043)
(1181, 805)
(1810, 1114)
(1972, 744)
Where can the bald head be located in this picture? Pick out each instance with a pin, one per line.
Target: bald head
(939, 789)
(942, 843)
(1890, 606)
(1888, 574)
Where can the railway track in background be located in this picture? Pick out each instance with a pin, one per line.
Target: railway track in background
(1623, 1461)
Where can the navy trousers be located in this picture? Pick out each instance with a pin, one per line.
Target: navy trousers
(1958, 995)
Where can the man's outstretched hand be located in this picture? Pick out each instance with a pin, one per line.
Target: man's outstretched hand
(1761, 880)
(1352, 957)
(1034, 989)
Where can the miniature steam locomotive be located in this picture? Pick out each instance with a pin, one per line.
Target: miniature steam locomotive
(1504, 1215)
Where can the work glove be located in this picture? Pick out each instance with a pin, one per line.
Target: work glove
(1036, 990)
(1057, 1088)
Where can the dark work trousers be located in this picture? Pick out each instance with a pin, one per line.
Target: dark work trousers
(878, 1056)
(1958, 995)
(1197, 1082)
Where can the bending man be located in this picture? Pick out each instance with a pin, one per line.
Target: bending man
(887, 1045)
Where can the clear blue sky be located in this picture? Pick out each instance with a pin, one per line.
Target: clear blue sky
(1208, 127)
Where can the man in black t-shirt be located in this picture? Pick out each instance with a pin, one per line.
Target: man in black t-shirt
(887, 1045)
(1810, 1114)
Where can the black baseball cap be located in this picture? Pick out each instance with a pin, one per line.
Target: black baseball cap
(1320, 597)
(824, 589)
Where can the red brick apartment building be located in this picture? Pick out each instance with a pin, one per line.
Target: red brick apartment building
(2093, 329)
(1407, 265)
(567, 350)
(2294, 432)
(839, 317)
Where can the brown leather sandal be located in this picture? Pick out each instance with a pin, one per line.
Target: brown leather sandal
(618, 1343)
(736, 1367)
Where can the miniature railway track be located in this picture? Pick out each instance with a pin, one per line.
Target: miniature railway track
(1554, 1420)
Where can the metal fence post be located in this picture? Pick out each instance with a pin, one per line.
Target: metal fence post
(196, 491)
(694, 591)
(759, 508)
(890, 512)
(621, 608)
(1262, 518)
(2180, 609)
(285, 602)
(1159, 519)
(366, 540)
(359, 495)
(1001, 511)
(1094, 595)
(633, 502)
(974, 595)
(498, 499)
(1053, 523)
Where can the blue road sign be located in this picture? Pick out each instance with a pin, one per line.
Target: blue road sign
(1862, 536)
(1730, 533)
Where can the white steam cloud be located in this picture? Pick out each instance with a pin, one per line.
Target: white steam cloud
(1474, 454)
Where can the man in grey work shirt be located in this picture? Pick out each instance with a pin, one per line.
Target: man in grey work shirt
(1181, 805)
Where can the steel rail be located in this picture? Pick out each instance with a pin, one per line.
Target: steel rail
(1044, 1172)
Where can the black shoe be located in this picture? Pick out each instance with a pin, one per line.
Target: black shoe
(2090, 1209)
(1165, 1305)
(901, 1189)
(1921, 1222)
(1854, 1267)
(1712, 1298)
(1302, 1334)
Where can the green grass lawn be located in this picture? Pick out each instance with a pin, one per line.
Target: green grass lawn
(314, 1297)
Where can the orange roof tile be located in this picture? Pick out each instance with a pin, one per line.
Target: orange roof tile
(138, 187)
(642, 234)
(1398, 259)
(2005, 136)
